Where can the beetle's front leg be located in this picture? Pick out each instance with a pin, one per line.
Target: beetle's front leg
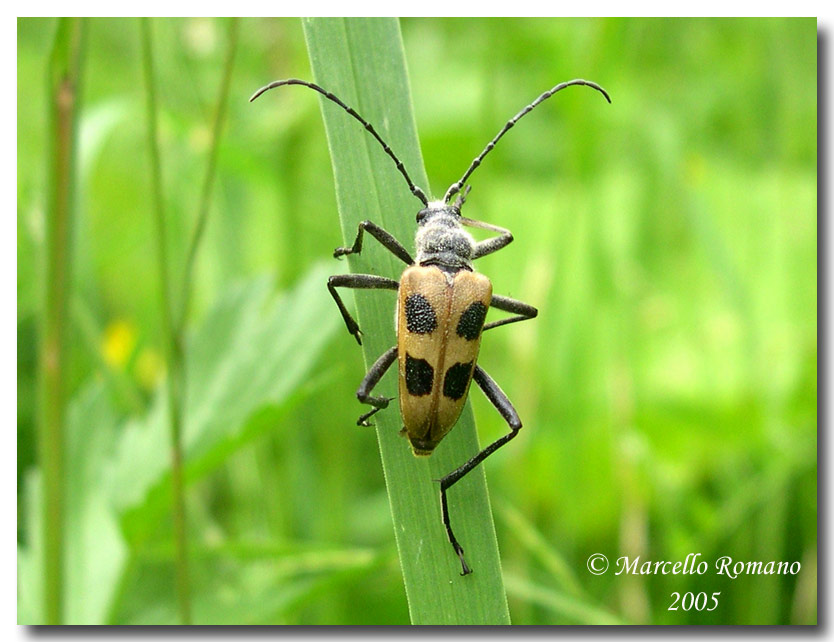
(360, 282)
(372, 378)
(388, 242)
(482, 248)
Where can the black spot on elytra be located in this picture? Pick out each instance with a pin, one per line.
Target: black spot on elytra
(471, 321)
(419, 376)
(419, 315)
(457, 378)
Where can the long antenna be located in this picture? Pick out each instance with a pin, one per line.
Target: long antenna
(295, 81)
(456, 187)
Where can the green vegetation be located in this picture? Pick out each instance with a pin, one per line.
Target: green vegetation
(668, 388)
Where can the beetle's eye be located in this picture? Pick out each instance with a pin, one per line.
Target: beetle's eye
(421, 215)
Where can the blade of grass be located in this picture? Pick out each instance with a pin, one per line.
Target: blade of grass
(64, 76)
(173, 347)
(532, 540)
(576, 610)
(362, 61)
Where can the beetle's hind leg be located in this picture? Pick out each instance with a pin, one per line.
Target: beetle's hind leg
(444, 507)
(384, 237)
(359, 282)
(522, 311)
(505, 407)
(372, 378)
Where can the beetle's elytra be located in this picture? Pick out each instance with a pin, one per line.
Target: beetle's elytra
(439, 322)
(441, 311)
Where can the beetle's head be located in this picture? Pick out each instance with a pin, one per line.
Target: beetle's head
(439, 213)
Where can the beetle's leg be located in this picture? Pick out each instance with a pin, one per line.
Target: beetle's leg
(371, 379)
(505, 407)
(357, 281)
(522, 310)
(384, 237)
(482, 248)
(444, 507)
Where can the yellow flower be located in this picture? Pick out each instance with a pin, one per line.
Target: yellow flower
(118, 342)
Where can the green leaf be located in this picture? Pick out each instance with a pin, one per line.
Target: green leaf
(253, 353)
(362, 61)
(254, 349)
(255, 582)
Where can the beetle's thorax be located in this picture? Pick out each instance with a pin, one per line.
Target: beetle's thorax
(441, 239)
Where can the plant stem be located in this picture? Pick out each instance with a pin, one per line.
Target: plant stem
(64, 76)
(174, 327)
(208, 182)
(173, 346)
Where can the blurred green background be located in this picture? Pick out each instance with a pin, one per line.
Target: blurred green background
(668, 388)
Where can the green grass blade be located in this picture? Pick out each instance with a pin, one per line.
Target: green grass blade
(362, 61)
(575, 610)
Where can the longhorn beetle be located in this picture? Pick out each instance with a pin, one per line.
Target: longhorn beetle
(441, 307)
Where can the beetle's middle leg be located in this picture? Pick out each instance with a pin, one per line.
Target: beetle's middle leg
(372, 378)
(383, 236)
(505, 407)
(522, 311)
(359, 282)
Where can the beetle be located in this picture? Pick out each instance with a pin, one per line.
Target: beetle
(441, 310)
